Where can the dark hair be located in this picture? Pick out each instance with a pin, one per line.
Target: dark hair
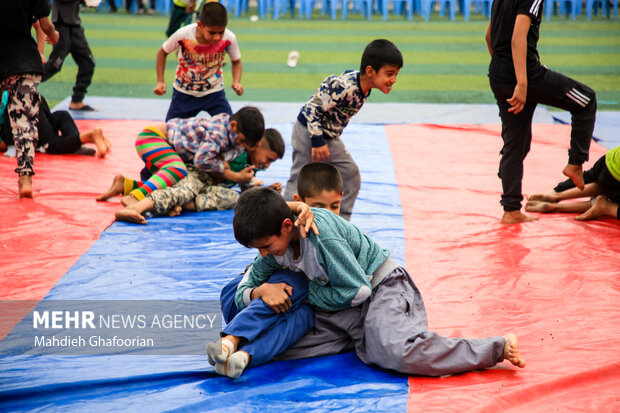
(379, 53)
(250, 122)
(317, 177)
(274, 141)
(259, 213)
(213, 14)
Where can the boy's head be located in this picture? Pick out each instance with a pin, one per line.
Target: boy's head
(268, 149)
(264, 221)
(320, 186)
(212, 23)
(381, 62)
(249, 125)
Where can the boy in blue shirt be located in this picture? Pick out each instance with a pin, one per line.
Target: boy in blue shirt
(321, 121)
(345, 269)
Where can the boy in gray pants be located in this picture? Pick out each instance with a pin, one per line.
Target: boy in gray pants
(316, 134)
(347, 269)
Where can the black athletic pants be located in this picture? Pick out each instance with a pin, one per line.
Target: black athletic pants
(552, 89)
(72, 40)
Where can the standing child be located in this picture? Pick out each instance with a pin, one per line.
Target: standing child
(20, 74)
(602, 182)
(345, 269)
(519, 82)
(66, 17)
(167, 147)
(202, 47)
(180, 15)
(321, 121)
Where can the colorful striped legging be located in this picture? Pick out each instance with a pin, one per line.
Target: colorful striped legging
(161, 160)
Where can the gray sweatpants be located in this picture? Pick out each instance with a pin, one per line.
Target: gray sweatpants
(339, 157)
(390, 330)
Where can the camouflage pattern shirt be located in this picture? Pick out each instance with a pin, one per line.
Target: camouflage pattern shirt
(329, 110)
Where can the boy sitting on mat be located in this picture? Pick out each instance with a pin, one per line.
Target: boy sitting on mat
(345, 269)
(602, 183)
(167, 147)
(199, 191)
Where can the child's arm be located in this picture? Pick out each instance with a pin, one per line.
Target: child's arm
(243, 176)
(305, 217)
(49, 29)
(329, 94)
(488, 39)
(237, 69)
(160, 67)
(40, 40)
(519, 56)
(255, 276)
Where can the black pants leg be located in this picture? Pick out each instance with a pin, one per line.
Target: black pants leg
(80, 51)
(553, 89)
(59, 52)
(66, 134)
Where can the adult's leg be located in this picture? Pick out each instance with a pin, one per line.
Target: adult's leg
(517, 137)
(59, 52)
(302, 155)
(81, 53)
(397, 336)
(340, 157)
(588, 177)
(178, 17)
(23, 111)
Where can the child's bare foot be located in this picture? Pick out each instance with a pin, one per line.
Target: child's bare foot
(24, 184)
(511, 350)
(117, 188)
(548, 197)
(130, 215)
(176, 211)
(515, 217)
(602, 206)
(99, 142)
(539, 206)
(128, 200)
(575, 173)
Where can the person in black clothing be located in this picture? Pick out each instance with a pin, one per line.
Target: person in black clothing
(519, 82)
(65, 15)
(58, 133)
(20, 74)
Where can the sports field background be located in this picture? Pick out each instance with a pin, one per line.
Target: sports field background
(445, 62)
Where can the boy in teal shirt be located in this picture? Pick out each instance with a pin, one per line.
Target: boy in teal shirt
(345, 269)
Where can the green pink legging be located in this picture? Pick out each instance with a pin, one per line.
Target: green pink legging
(161, 160)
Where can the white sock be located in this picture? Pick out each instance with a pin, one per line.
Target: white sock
(234, 366)
(219, 351)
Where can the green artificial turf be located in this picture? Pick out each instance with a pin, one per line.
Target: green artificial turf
(445, 61)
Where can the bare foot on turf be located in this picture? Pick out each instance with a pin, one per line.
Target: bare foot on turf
(128, 200)
(130, 215)
(515, 217)
(117, 188)
(602, 206)
(539, 206)
(548, 197)
(176, 211)
(511, 351)
(24, 184)
(575, 173)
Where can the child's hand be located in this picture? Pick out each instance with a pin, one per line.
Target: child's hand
(320, 154)
(276, 296)
(160, 88)
(305, 220)
(277, 187)
(238, 88)
(246, 174)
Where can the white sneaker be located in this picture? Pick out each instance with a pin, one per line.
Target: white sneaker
(293, 57)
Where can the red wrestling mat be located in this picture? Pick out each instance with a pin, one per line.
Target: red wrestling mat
(554, 282)
(41, 238)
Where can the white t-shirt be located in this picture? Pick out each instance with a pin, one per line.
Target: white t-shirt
(199, 70)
